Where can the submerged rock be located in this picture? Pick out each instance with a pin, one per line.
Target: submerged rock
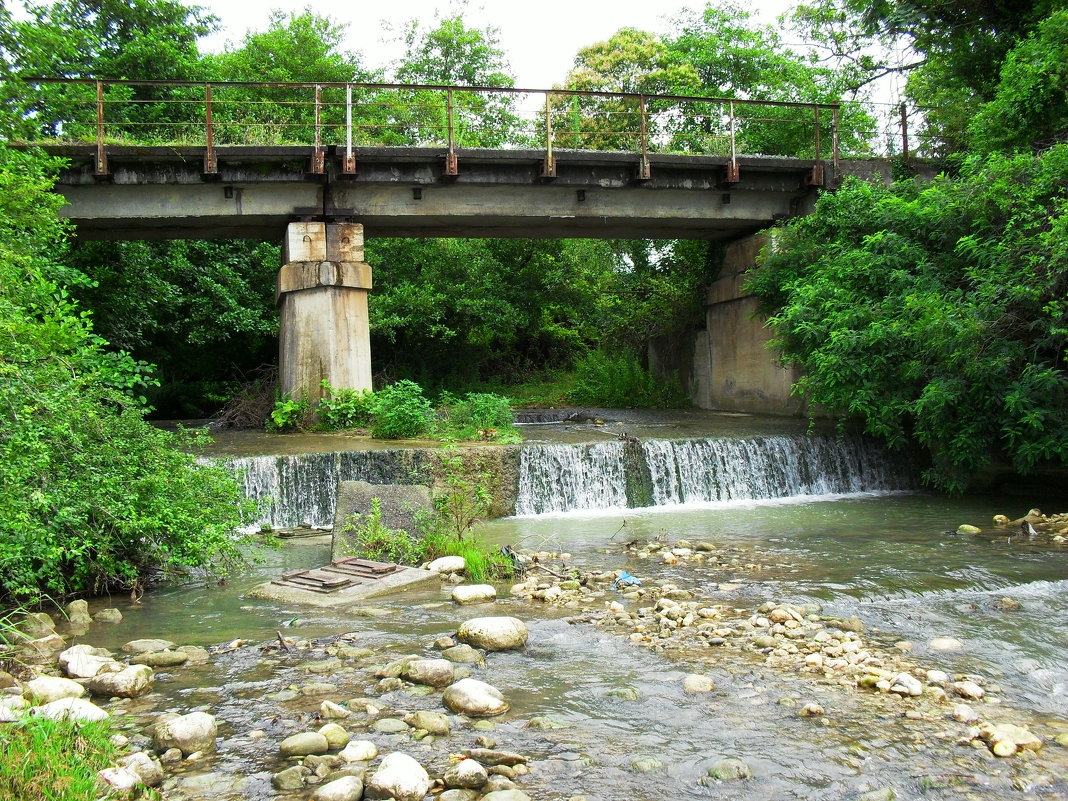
(463, 653)
(494, 633)
(730, 769)
(109, 615)
(146, 646)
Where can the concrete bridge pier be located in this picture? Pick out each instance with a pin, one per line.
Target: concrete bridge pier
(322, 296)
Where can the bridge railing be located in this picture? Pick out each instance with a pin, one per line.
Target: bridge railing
(347, 116)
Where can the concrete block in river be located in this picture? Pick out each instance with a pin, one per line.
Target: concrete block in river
(399, 505)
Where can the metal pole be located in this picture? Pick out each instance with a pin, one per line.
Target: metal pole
(904, 133)
(733, 172)
(101, 156)
(349, 168)
(318, 165)
(210, 164)
(816, 117)
(451, 165)
(548, 169)
(644, 171)
(834, 138)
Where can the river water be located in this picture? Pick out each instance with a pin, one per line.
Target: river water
(828, 521)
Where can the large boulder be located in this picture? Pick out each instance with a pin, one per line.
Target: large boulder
(189, 733)
(399, 505)
(304, 744)
(50, 688)
(474, 593)
(70, 709)
(494, 633)
(78, 614)
(432, 672)
(129, 682)
(347, 788)
(475, 698)
(398, 777)
(85, 661)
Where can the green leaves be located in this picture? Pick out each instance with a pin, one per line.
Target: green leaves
(935, 315)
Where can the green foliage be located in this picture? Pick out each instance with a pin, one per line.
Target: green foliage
(936, 313)
(401, 411)
(617, 379)
(479, 415)
(372, 539)
(345, 407)
(290, 414)
(54, 760)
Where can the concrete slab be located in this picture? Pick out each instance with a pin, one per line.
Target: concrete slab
(406, 578)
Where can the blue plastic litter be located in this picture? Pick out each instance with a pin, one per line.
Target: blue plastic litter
(626, 580)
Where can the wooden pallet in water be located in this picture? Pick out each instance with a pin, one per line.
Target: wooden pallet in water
(316, 580)
(361, 568)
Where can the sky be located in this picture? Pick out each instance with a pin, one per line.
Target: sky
(540, 39)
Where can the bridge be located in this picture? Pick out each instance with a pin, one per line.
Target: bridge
(319, 166)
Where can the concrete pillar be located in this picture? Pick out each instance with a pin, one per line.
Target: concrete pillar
(322, 296)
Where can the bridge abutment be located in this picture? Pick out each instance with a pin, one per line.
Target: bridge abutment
(324, 331)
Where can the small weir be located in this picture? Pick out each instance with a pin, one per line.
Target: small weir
(302, 488)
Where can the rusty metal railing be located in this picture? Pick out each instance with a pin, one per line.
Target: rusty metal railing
(351, 115)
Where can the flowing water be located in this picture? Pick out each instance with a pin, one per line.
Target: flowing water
(822, 519)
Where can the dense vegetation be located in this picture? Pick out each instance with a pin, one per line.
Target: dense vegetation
(937, 314)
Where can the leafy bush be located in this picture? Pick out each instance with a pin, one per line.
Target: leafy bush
(617, 379)
(401, 412)
(290, 414)
(372, 539)
(482, 410)
(345, 407)
(935, 314)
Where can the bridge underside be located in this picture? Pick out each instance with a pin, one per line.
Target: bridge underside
(164, 193)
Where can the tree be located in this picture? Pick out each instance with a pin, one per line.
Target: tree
(935, 314)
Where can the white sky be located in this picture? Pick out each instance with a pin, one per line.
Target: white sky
(540, 39)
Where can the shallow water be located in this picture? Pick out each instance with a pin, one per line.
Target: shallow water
(886, 558)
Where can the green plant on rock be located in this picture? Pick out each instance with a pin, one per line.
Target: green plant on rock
(372, 539)
(345, 407)
(401, 412)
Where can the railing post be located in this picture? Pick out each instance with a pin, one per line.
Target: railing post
(904, 133)
(816, 178)
(451, 165)
(548, 167)
(211, 165)
(318, 166)
(834, 140)
(349, 167)
(644, 170)
(101, 169)
(733, 173)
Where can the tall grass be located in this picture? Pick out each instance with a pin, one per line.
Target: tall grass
(48, 760)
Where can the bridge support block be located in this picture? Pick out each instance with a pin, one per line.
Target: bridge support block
(322, 296)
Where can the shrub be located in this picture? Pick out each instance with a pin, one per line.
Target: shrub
(290, 414)
(345, 408)
(607, 379)
(401, 412)
(374, 540)
(483, 410)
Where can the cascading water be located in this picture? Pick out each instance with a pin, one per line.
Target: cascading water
(560, 478)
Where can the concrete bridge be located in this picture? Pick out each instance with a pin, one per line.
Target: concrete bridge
(321, 199)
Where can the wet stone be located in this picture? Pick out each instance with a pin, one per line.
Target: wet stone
(730, 769)
(462, 653)
(390, 726)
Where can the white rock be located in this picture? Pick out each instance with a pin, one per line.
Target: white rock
(431, 672)
(696, 683)
(70, 709)
(129, 682)
(474, 593)
(85, 661)
(475, 698)
(969, 690)
(50, 688)
(328, 710)
(494, 633)
(906, 684)
(359, 751)
(399, 777)
(188, 733)
(145, 766)
(937, 677)
(467, 774)
(964, 713)
(119, 782)
(945, 644)
(448, 564)
(147, 646)
(347, 788)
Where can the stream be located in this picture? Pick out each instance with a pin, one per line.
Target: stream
(817, 520)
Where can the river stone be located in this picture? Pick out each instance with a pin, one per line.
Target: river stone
(78, 613)
(494, 633)
(962, 713)
(328, 710)
(458, 795)
(475, 698)
(430, 722)
(146, 766)
(945, 644)
(109, 615)
(147, 646)
(467, 774)
(969, 690)
(906, 684)
(188, 733)
(85, 661)
(432, 672)
(474, 593)
(646, 764)
(336, 736)
(70, 709)
(399, 504)
(488, 756)
(359, 751)
(290, 778)
(729, 769)
(506, 795)
(399, 777)
(463, 653)
(1017, 736)
(37, 624)
(448, 564)
(162, 659)
(46, 646)
(196, 655)
(118, 783)
(347, 788)
(882, 794)
(307, 742)
(129, 682)
(390, 726)
(696, 683)
(50, 688)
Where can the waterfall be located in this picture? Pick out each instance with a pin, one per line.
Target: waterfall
(557, 478)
